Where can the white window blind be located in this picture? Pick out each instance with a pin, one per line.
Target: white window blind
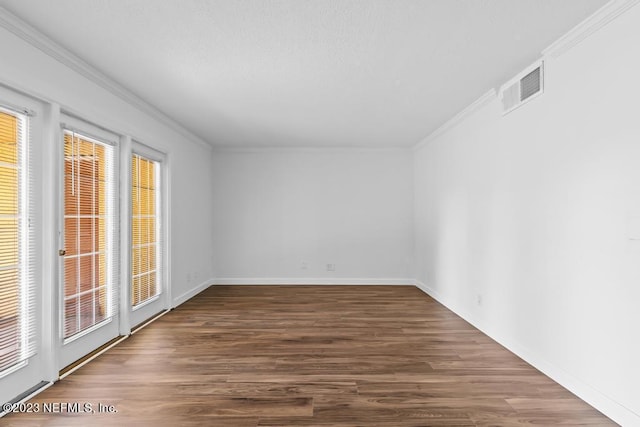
(17, 284)
(145, 233)
(91, 253)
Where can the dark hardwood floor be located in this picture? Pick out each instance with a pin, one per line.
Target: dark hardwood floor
(311, 356)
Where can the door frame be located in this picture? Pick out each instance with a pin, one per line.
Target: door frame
(84, 342)
(33, 370)
(130, 316)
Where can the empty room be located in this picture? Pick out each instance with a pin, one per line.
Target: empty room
(319, 213)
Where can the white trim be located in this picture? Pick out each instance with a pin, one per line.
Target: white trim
(125, 236)
(144, 150)
(84, 253)
(165, 218)
(87, 292)
(13, 368)
(311, 281)
(192, 293)
(86, 331)
(84, 362)
(51, 222)
(29, 396)
(89, 131)
(148, 322)
(146, 302)
(34, 37)
(16, 109)
(431, 292)
(612, 409)
(146, 273)
(458, 118)
(593, 23)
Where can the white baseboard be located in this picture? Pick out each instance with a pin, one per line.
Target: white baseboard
(593, 397)
(310, 281)
(191, 293)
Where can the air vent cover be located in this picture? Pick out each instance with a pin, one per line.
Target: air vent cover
(523, 88)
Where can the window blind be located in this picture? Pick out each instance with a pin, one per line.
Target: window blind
(145, 235)
(90, 268)
(17, 285)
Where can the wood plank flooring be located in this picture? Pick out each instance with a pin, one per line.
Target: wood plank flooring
(311, 356)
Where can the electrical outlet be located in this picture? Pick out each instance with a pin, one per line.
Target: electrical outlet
(479, 299)
(331, 267)
(304, 265)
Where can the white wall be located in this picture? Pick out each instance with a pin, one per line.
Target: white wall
(537, 213)
(27, 68)
(277, 208)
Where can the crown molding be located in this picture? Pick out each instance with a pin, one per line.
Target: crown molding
(593, 23)
(35, 38)
(452, 122)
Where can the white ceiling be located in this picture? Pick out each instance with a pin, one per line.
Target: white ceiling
(374, 73)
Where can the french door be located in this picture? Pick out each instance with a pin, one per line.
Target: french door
(20, 360)
(88, 240)
(147, 284)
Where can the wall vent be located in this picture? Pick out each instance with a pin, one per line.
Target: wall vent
(523, 88)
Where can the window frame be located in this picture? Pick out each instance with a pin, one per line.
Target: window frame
(25, 251)
(143, 312)
(34, 369)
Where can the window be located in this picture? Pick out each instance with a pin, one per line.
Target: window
(90, 253)
(17, 287)
(145, 251)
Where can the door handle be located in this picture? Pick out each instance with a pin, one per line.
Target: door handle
(62, 252)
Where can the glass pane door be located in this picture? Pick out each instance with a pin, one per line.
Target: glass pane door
(12, 288)
(146, 235)
(89, 254)
(20, 364)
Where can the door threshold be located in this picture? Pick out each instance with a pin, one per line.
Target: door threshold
(89, 357)
(149, 320)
